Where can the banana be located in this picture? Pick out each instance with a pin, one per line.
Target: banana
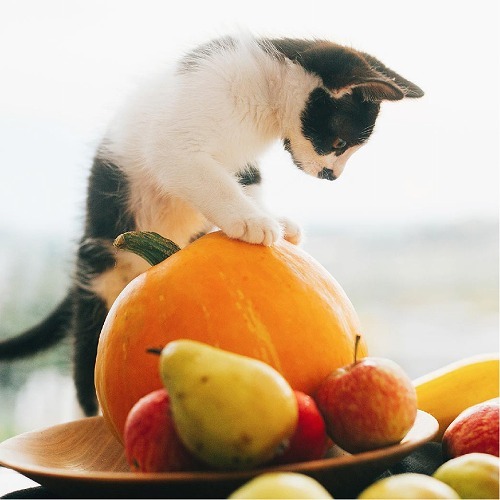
(446, 392)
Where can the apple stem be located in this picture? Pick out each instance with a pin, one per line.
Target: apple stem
(154, 350)
(356, 344)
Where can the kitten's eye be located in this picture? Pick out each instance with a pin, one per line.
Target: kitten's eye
(339, 143)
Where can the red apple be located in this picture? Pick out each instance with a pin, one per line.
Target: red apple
(475, 430)
(150, 438)
(310, 440)
(366, 405)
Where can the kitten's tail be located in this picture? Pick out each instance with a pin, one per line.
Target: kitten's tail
(42, 336)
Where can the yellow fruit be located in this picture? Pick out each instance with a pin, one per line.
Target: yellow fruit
(474, 475)
(408, 485)
(231, 411)
(281, 485)
(446, 392)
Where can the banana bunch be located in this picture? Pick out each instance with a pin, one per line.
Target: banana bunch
(448, 391)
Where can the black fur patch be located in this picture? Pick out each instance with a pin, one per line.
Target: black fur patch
(107, 217)
(94, 257)
(90, 313)
(249, 176)
(336, 65)
(107, 198)
(327, 174)
(317, 121)
(325, 119)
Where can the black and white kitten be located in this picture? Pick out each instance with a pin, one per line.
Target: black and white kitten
(181, 159)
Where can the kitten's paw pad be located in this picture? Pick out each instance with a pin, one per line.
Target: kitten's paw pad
(292, 232)
(260, 230)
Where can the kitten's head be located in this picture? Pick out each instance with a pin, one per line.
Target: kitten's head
(339, 115)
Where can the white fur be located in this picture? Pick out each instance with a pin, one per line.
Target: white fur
(184, 137)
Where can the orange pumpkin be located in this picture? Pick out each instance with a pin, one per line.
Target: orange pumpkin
(276, 304)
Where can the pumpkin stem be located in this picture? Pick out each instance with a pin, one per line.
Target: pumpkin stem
(152, 247)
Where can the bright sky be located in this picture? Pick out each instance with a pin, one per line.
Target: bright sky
(65, 66)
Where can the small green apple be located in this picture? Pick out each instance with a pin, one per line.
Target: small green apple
(474, 475)
(281, 485)
(409, 485)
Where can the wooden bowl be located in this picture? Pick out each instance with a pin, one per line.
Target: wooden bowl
(83, 459)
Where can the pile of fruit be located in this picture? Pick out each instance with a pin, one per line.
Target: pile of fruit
(228, 411)
(203, 402)
(223, 411)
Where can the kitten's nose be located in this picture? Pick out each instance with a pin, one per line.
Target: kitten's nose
(327, 173)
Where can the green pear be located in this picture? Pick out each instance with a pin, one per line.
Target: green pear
(281, 485)
(474, 475)
(231, 411)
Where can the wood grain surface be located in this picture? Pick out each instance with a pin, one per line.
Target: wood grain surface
(83, 459)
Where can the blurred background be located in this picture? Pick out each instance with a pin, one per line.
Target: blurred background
(410, 230)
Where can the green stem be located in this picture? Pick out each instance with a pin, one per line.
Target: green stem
(152, 247)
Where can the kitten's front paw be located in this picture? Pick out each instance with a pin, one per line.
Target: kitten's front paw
(261, 230)
(292, 232)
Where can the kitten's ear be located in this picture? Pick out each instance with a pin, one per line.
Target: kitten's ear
(376, 89)
(410, 89)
